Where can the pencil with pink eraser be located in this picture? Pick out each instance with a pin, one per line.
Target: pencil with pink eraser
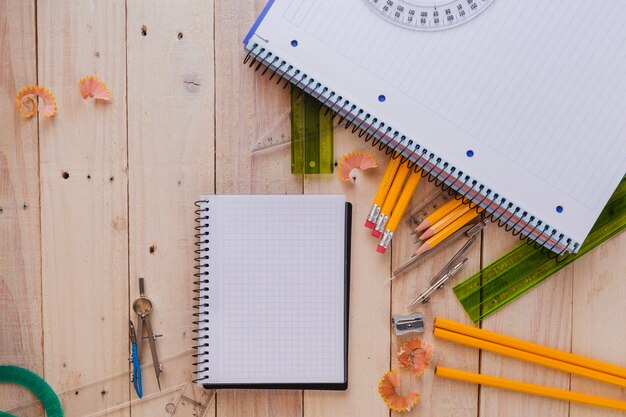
(390, 200)
(398, 210)
(383, 190)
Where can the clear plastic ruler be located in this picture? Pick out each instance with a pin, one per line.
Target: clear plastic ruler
(516, 272)
(187, 400)
(188, 404)
(433, 202)
(277, 136)
(180, 400)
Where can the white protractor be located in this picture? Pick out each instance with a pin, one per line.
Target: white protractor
(429, 15)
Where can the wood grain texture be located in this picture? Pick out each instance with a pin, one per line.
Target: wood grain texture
(597, 318)
(69, 265)
(170, 158)
(368, 349)
(439, 397)
(84, 218)
(20, 256)
(247, 105)
(543, 316)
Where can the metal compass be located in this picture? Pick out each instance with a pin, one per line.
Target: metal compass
(429, 15)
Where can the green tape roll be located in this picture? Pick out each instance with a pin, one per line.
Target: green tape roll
(35, 384)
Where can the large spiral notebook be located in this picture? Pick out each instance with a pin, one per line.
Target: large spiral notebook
(519, 106)
(273, 284)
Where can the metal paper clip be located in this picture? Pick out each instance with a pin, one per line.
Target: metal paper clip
(453, 265)
(412, 323)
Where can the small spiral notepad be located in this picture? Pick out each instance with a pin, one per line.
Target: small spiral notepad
(520, 109)
(273, 291)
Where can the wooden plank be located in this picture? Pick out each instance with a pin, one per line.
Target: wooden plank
(247, 105)
(20, 255)
(170, 157)
(368, 350)
(597, 319)
(543, 316)
(84, 222)
(83, 203)
(438, 396)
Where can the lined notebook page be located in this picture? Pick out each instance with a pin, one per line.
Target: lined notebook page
(537, 90)
(277, 289)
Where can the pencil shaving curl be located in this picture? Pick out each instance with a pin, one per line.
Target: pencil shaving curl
(415, 355)
(94, 87)
(388, 388)
(27, 103)
(360, 160)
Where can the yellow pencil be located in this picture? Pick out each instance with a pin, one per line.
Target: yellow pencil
(438, 214)
(390, 200)
(527, 356)
(445, 221)
(447, 232)
(524, 387)
(398, 210)
(530, 347)
(383, 190)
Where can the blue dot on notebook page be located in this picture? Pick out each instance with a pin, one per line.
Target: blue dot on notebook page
(469, 153)
(559, 209)
(294, 43)
(382, 98)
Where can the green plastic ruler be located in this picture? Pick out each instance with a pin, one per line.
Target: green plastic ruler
(311, 135)
(524, 267)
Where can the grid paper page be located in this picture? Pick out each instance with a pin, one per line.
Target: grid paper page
(277, 289)
(537, 90)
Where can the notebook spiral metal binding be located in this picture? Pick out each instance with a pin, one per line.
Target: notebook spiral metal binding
(497, 208)
(201, 297)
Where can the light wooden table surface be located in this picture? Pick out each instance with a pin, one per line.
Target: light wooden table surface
(183, 117)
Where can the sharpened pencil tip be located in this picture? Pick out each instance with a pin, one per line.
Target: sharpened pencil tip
(428, 233)
(425, 247)
(423, 226)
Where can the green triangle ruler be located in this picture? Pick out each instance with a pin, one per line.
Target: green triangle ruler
(524, 267)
